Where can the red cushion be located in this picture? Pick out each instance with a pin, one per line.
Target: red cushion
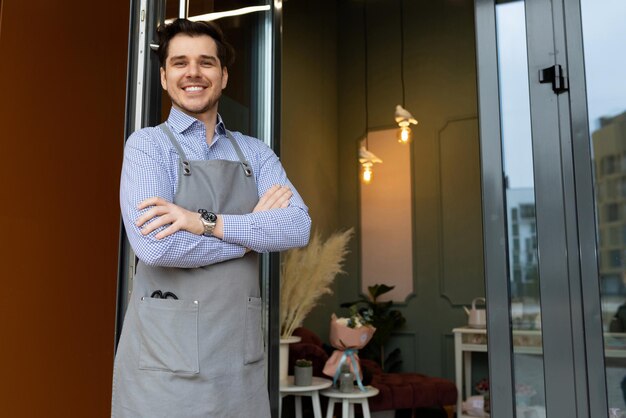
(411, 390)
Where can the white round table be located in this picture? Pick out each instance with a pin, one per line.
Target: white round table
(288, 388)
(348, 400)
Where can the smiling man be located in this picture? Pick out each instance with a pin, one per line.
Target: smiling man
(199, 203)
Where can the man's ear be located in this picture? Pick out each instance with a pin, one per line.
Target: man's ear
(224, 77)
(163, 80)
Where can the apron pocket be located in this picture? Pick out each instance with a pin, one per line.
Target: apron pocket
(169, 335)
(253, 343)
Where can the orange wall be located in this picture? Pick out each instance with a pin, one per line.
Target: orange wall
(62, 89)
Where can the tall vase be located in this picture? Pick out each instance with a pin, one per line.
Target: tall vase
(284, 356)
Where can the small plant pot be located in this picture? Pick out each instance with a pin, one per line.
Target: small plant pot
(303, 376)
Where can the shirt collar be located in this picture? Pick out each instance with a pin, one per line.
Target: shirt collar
(180, 122)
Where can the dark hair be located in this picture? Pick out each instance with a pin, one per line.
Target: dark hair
(166, 32)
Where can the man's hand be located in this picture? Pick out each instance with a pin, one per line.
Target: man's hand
(275, 198)
(181, 219)
(166, 213)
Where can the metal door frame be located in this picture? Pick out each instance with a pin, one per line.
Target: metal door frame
(573, 352)
(580, 153)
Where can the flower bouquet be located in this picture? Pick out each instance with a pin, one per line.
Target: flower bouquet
(347, 335)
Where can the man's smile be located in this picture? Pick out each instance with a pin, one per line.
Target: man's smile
(194, 88)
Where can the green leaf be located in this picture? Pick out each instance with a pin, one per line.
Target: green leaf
(378, 289)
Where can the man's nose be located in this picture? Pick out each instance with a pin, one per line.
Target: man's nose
(193, 69)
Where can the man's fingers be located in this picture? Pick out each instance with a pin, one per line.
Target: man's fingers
(152, 213)
(168, 231)
(267, 195)
(274, 198)
(285, 200)
(157, 223)
(277, 198)
(282, 199)
(262, 203)
(151, 201)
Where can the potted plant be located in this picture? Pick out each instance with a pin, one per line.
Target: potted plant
(303, 372)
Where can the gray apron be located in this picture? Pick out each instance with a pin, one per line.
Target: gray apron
(200, 355)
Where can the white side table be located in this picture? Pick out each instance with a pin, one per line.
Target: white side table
(288, 388)
(348, 400)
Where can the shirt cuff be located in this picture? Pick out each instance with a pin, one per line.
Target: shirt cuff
(238, 228)
(230, 251)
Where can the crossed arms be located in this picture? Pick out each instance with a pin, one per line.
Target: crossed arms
(279, 221)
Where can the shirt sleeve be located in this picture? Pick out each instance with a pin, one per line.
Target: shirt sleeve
(276, 229)
(144, 175)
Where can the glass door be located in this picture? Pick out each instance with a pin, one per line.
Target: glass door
(545, 334)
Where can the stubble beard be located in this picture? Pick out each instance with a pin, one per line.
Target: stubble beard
(212, 102)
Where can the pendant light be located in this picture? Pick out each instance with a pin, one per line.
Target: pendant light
(367, 159)
(403, 117)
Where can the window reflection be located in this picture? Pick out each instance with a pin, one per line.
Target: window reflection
(603, 35)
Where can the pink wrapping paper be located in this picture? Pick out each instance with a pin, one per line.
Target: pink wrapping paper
(342, 338)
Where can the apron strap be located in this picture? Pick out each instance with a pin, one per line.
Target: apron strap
(244, 163)
(185, 162)
(179, 149)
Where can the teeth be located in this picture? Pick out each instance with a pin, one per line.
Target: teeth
(193, 88)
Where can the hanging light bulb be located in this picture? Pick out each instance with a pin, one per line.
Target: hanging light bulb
(404, 134)
(366, 172)
(404, 119)
(367, 159)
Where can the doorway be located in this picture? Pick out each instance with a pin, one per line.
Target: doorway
(542, 215)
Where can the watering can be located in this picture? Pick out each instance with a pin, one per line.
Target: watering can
(477, 318)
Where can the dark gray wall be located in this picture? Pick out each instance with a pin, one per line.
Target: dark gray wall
(309, 142)
(440, 81)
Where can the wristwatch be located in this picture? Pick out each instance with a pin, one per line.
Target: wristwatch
(209, 220)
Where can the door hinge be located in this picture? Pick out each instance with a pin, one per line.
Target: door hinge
(555, 76)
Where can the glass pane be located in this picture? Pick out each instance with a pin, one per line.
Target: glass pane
(604, 35)
(520, 201)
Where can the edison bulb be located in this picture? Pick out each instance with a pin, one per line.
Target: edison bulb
(404, 134)
(367, 173)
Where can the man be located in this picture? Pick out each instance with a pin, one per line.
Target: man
(199, 203)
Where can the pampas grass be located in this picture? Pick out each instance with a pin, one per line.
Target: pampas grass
(307, 274)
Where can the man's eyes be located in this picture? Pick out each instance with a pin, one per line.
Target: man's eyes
(208, 63)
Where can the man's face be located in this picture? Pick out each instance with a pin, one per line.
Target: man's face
(193, 75)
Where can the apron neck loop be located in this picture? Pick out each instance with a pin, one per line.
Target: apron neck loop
(244, 164)
(183, 158)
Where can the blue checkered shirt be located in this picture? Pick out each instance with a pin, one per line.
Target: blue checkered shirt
(150, 169)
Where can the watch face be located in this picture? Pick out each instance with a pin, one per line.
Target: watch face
(207, 216)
